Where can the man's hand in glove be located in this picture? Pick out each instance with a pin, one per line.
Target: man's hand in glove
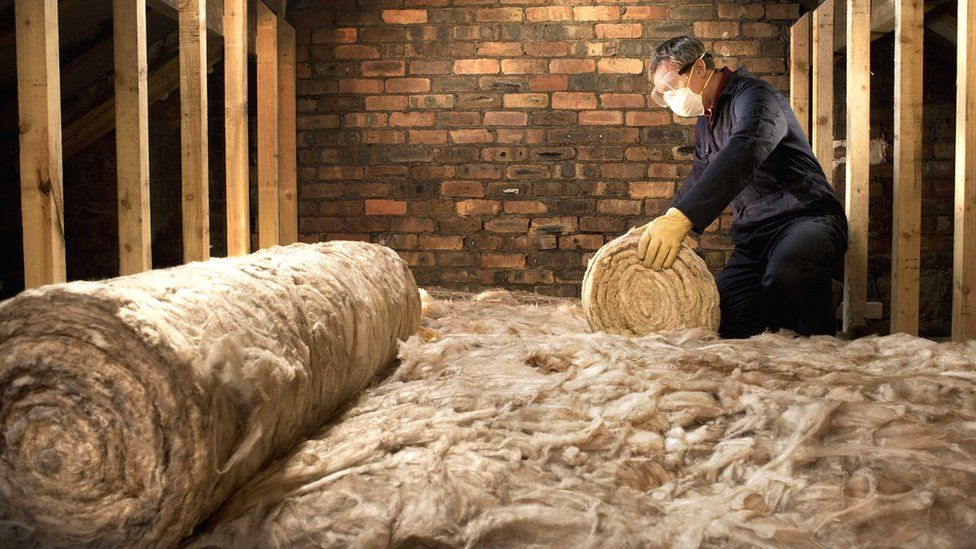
(661, 241)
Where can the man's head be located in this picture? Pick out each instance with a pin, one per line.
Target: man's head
(681, 62)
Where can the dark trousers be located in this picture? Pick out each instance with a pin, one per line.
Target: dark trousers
(783, 278)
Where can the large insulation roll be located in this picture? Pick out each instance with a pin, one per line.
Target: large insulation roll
(131, 408)
(622, 296)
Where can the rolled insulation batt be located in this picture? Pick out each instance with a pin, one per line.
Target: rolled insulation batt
(131, 408)
(621, 296)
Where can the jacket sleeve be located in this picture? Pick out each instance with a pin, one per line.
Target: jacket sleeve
(698, 165)
(758, 125)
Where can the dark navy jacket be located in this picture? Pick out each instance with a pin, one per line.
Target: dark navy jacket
(753, 155)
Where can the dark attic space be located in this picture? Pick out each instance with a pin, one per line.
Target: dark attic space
(487, 273)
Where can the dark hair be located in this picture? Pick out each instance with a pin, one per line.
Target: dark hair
(680, 50)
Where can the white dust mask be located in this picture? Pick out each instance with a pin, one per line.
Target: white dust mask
(686, 103)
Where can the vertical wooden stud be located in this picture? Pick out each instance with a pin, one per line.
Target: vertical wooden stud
(858, 153)
(907, 193)
(193, 129)
(266, 44)
(964, 256)
(287, 156)
(800, 71)
(235, 119)
(132, 135)
(822, 132)
(39, 106)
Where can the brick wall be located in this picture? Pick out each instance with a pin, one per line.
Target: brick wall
(501, 143)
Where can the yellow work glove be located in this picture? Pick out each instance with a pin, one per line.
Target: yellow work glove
(661, 241)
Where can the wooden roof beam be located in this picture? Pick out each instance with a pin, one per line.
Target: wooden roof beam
(882, 20)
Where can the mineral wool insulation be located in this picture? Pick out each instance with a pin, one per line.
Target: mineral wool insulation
(507, 424)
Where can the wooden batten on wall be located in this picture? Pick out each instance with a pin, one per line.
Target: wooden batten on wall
(236, 133)
(266, 44)
(858, 155)
(39, 106)
(193, 130)
(907, 183)
(287, 134)
(964, 263)
(132, 135)
(800, 71)
(822, 130)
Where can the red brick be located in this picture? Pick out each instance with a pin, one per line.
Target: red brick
(735, 48)
(342, 36)
(364, 120)
(458, 118)
(384, 172)
(474, 189)
(760, 30)
(385, 102)
(501, 118)
(360, 85)
(524, 66)
(398, 119)
(546, 49)
(645, 13)
(549, 82)
(477, 207)
(503, 261)
(573, 100)
(740, 12)
(618, 206)
(622, 100)
(413, 225)
(601, 118)
(596, 13)
(651, 189)
(438, 242)
(386, 207)
(507, 49)
(417, 259)
(407, 85)
(507, 225)
(471, 136)
(433, 101)
(616, 65)
(404, 17)
(430, 67)
(525, 207)
(662, 171)
(716, 29)
(476, 66)
(765, 65)
(356, 51)
(783, 11)
(525, 100)
(562, 225)
(648, 118)
(383, 68)
(549, 13)
(571, 66)
(491, 15)
(622, 171)
(383, 137)
(621, 30)
(428, 137)
(510, 136)
(504, 154)
(581, 242)
(340, 172)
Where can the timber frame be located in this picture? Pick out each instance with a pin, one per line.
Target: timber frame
(238, 24)
(865, 20)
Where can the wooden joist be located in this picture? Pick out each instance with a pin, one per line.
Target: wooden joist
(132, 135)
(266, 43)
(39, 105)
(193, 130)
(800, 71)
(882, 19)
(287, 151)
(964, 262)
(907, 184)
(235, 120)
(822, 131)
(858, 153)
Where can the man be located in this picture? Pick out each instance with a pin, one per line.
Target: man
(789, 230)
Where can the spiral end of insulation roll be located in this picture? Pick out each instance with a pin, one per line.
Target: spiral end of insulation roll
(621, 296)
